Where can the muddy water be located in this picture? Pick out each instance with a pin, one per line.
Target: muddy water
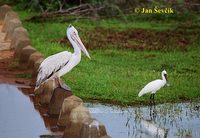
(19, 117)
(164, 120)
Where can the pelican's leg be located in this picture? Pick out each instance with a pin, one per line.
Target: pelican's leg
(63, 85)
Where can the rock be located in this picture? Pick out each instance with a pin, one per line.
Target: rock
(68, 105)
(73, 131)
(50, 136)
(12, 24)
(35, 71)
(45, 91)
(106, 136)
(33, 58)
(4, 45)
(78, 116)
(36, 67)
(93, 129)
(87, 128)
(3, 10)
(24, 56)
(9, 16)
(56, 101)
(19, 34)
(20, 44)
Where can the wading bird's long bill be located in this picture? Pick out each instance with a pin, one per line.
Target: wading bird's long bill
(79, 43)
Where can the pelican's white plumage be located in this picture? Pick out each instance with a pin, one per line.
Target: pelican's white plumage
(51, 65)
(153, 86)
(61, 63)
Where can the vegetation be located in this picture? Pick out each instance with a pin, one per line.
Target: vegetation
(127, 53)
(24, 75)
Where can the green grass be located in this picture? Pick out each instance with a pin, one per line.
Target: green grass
(117, 75)
(24, 75)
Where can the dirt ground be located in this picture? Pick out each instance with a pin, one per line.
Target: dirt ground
(138, 39)
(9, 73)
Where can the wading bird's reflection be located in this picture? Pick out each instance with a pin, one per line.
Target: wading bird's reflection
(150, 127)
(152, 111)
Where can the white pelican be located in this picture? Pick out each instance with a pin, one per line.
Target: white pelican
(153, 86)
(55, 66)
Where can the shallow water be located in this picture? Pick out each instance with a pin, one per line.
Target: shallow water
(21, 117)
(18, 117)
(164, 120)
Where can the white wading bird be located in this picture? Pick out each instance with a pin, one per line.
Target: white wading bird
(61, 63)
(153, 86)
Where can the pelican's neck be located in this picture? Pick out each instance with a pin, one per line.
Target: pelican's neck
(163, 78)
(77, 50)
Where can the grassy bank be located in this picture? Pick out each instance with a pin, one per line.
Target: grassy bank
(115, 74)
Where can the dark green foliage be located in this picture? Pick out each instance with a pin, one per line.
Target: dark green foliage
(10, 2)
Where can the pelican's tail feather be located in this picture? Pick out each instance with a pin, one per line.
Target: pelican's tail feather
(38, 85)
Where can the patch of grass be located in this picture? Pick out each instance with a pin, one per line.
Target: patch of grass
(117, 75)
(24, 75)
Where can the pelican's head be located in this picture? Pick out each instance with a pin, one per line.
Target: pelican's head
(72, 33)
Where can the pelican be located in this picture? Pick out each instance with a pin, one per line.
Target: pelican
(153, 86)
(55, 66)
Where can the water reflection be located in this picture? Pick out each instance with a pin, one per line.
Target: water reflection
(22, 116)
(49, 122)
(164, 120)
(17, 115)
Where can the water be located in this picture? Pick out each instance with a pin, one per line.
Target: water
(22, 117)
(18, 117)
(164, 120)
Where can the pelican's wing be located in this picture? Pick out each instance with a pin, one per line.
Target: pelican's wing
(151, 86)
(51, 65)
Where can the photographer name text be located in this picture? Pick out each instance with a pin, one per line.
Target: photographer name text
(155, 10)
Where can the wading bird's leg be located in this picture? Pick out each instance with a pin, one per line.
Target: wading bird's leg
(62, 84)
(152, 112)
(150, 99)
(150, 96)
(153, 96)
